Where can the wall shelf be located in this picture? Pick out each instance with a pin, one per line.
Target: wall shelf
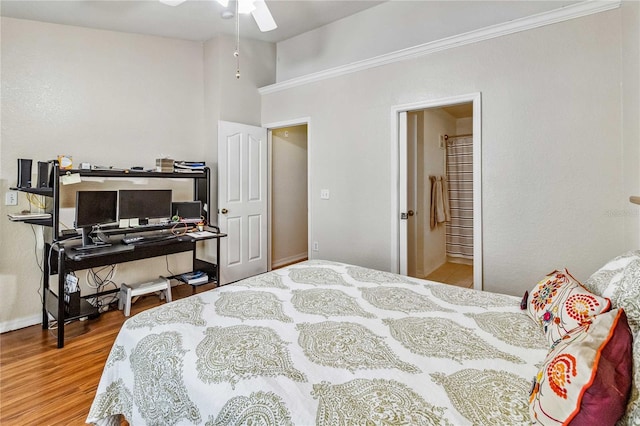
(635, 199)
(47, 192)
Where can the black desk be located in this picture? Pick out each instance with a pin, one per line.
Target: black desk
(57, 261)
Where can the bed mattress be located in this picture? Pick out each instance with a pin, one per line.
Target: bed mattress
(324, 343)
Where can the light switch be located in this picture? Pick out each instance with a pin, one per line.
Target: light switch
(324, 194)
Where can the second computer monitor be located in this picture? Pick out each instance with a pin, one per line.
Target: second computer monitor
(94, 208)
(144, 204)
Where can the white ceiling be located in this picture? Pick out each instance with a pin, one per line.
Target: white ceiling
(192, 20)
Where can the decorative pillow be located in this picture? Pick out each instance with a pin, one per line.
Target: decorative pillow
(611, 273)
(559, 303)
(619, 280)
(586, 377)
(632, 417)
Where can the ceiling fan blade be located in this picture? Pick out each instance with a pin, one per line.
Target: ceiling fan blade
(263, 17)
(172, 2)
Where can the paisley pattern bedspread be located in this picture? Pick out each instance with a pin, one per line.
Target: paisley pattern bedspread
(324, 343)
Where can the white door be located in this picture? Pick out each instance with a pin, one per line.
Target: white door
(242, 200)
(403, 198)
(412, 193)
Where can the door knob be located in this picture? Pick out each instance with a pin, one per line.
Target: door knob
(224, 211)
(410, 213)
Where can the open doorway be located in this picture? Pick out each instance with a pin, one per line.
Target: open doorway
(440, 185)
(424, 132)
(288, 195)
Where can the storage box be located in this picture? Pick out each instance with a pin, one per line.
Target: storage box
(164, 165)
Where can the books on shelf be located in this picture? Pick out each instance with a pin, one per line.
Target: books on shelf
(194, 278)
(188, 166)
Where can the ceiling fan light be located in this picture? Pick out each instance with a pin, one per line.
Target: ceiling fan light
(172, 2)
(263, 16)
(223, 3)
(245, 6)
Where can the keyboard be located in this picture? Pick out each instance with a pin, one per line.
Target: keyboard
(77, 253)
(137, 240)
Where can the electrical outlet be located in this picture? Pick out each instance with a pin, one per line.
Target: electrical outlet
(11, 198)
(315, 246)
(324, 194)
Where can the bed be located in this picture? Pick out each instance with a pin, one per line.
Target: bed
(324, 343)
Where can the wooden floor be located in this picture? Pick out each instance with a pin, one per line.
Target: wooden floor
(42, 385)
(456, 274)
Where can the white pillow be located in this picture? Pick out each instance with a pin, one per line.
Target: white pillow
(611, 273)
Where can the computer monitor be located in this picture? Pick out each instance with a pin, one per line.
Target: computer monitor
(94, 208)
(187, 211)
(144, 204)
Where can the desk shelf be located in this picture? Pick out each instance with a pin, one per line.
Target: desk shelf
(57, 261)
(87, 310)
(211, 269)
(61, 264)
(39, 222)
(47, 192)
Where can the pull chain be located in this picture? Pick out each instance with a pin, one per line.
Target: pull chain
(237, 51)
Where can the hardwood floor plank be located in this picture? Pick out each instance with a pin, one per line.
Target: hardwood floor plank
(43, 385)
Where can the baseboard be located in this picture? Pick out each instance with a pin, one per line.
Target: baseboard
(288, 260)
(19, 323)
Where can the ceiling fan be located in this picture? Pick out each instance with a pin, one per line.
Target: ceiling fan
(257, 8)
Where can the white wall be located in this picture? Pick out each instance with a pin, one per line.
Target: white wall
(102, 97)
(464, 126)
(115, 99)
(393, 26)
(551, 149)
(436, 122)
(228, 98)
(289, 195)
(630, 213)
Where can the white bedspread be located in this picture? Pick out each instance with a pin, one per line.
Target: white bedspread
(324, 343)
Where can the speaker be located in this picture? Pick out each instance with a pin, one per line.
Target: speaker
(24, 173)
(44, 174)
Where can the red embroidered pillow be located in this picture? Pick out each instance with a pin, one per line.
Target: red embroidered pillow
(559, 303)
(586, 377)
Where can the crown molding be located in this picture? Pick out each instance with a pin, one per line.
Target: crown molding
(566, 13)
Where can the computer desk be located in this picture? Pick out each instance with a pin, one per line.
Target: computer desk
(57, 261)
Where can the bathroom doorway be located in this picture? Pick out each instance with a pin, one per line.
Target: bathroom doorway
(442, 193)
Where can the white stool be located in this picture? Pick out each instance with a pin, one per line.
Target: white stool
(128, 291)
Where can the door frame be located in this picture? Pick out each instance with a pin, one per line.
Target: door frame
(396, 110)
(270, 127)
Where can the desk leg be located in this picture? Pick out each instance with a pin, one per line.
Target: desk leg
(218, 262)
(193, 265)
(45, 286)
(61, 277)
